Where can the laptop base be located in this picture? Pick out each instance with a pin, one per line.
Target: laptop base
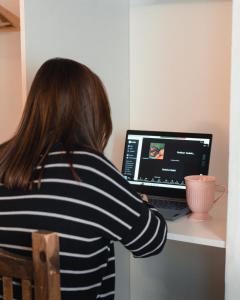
(171, 215)
(169, 208)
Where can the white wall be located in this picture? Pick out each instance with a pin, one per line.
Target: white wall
(180, 70)
(94, 32)
(233, 228)
(180, 81)
(10, 77)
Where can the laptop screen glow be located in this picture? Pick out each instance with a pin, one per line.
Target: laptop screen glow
(163, 159)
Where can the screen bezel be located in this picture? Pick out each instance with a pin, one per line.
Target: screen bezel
(160, 191)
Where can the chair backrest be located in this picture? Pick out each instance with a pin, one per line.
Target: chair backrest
(41, 272)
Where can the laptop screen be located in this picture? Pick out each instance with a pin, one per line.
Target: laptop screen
(157, 162)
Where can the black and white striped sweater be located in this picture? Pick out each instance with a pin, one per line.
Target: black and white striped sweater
(89, 216)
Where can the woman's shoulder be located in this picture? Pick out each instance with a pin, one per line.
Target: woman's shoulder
(93, 158)
(79, 155)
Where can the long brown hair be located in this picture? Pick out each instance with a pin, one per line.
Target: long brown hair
(67, 102)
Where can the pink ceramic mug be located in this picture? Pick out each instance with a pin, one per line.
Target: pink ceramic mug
(200, 193)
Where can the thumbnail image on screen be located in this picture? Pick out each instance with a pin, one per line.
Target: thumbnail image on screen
(156, 151)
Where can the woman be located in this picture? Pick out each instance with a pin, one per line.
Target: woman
(55, 177)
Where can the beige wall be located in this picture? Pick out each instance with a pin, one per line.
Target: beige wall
(10, 77)
(180, 70)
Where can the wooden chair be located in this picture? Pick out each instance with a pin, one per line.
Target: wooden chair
(42, 271)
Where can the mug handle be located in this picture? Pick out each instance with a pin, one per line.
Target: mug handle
(222, 192)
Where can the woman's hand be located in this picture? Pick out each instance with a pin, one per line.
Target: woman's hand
(144, 197)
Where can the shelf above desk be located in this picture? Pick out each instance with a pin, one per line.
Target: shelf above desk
(210, 233)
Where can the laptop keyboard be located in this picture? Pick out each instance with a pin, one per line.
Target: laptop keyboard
(166, 203)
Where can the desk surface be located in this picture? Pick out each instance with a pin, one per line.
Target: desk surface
(210, 233)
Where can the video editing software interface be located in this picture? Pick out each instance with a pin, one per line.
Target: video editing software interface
(164, 160)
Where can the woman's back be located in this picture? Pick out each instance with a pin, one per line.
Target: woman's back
(88, 214)
(50, 185)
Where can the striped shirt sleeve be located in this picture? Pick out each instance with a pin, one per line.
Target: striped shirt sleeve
(148, 235)
(136, 224)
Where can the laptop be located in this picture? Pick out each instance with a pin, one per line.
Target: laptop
(156, 162)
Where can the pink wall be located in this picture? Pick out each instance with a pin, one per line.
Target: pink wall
(180, 70)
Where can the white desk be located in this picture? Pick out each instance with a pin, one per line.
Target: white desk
(210, 233)
(152, 278)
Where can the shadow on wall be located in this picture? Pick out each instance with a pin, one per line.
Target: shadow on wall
(182, 272)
